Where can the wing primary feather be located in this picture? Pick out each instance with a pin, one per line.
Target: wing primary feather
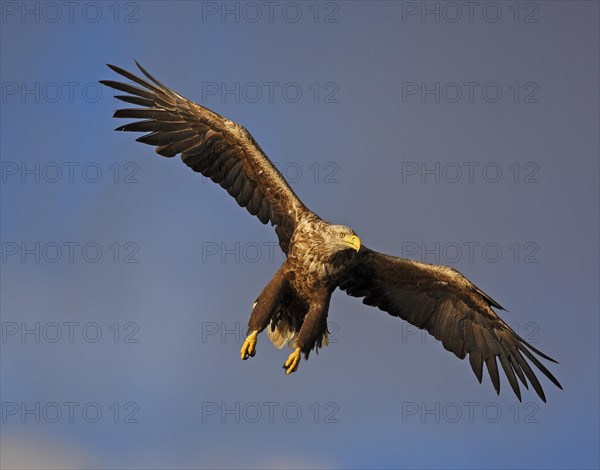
(476, 362)
(541, 367)
(165, 138)
(492, 368)
(517, 368)
(133, 78)
(535, 383)
(147, 74)
(510, 375)
(537, 351)
(125, 87)
(150, 125)
(135, 100)
(158, 114)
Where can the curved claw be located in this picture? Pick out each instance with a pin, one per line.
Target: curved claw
(291, 365)
(249, 346)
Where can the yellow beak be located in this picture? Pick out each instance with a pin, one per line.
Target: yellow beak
(352, 241)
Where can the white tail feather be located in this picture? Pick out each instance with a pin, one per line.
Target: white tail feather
(281, 335)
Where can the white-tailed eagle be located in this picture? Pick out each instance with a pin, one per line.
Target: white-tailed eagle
(321, 256)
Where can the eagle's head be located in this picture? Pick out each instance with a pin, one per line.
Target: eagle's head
(341, 238)
(324, 244)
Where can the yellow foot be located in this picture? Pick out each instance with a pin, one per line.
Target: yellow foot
(249, 346)
(292, 362)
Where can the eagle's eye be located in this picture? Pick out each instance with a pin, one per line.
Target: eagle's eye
(342, 234)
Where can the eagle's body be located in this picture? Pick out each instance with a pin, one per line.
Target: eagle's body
(320, 256)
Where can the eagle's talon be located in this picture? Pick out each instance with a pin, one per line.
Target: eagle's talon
(249, 346)
(291, 365)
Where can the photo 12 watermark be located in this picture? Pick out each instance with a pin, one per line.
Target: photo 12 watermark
(270, 412)
(469, 12)
(470, 92)
(489, 251)
(472, 412)
(69, 12)
(70, 412)
(270, 12)
(272, 91)
(89, 252)
(71, 332)
(53, 172)
(51, 92)
(472, 172)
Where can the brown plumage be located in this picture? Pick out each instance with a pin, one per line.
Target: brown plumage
(321, 256)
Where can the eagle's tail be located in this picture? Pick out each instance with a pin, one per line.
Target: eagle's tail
(281, 332)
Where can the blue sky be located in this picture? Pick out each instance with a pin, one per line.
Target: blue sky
(444, 132)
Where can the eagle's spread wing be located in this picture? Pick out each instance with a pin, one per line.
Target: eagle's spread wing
(452, 309)
(212, 145)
